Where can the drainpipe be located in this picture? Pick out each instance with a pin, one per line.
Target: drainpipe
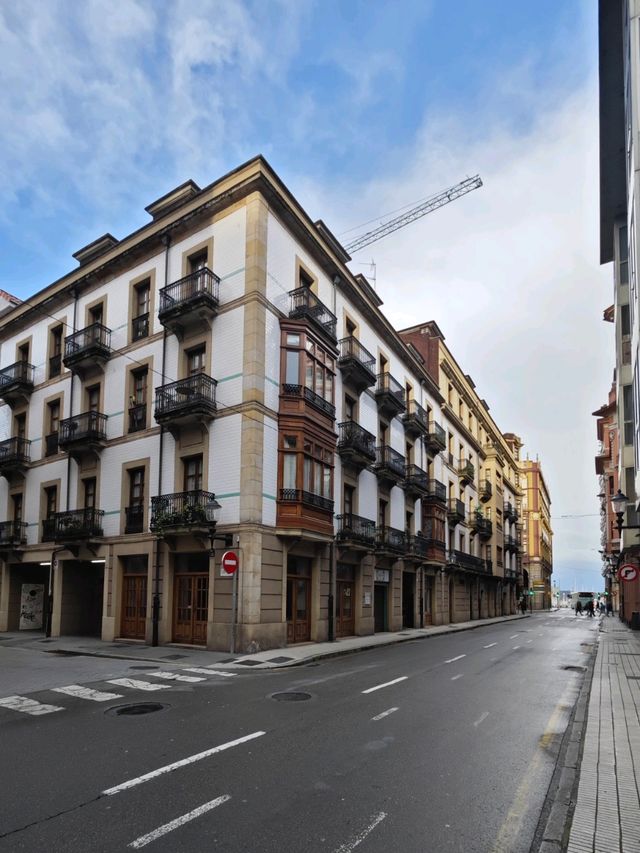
(155, 607)
(75, 312)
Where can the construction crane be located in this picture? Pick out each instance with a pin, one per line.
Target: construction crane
(432, 203)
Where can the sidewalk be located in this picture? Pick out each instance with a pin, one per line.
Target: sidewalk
(607, 812)
(272, 659)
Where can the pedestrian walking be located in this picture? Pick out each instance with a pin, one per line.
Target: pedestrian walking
(602, 607)
(590, 608)
(523, 605)
(578, 608)
(609, 607)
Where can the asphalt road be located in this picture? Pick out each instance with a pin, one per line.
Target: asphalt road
(443, 744)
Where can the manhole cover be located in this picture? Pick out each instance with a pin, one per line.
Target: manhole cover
(291, 697)
(143, 666)
(136, 710)
(575, 668)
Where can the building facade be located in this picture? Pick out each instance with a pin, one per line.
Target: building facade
(537, 535)
(619, 58)
(220, 379)
(606, 462)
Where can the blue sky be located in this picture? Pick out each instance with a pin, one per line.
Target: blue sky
(361, 107)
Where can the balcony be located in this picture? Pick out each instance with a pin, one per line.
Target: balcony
(416, 421)
(455, 511)
(486, 490)
(466, 471)
(16, 382)
(138, 417)
(436, 438)
(510, 574)
(471, 563)
(356, 446)
(301, 391)
(51, 444)
(390, 541)
(181, 512)
(140, 327)
(305, 305)
(482, 525)
(357, 364)
(389, 466)
(507, 510)
(133, 519)
(355, 532)
(83, 433)
(88, 348)
(190, 303)
(186, 402)
(13, 534)
(437, 492)
(309, 498)
(390, 396)
(511, 544)
(416, 481)
(417, 547)
(74, 526)
(15, 456)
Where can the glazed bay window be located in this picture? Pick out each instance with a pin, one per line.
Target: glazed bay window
(309, 370)
(307, 477)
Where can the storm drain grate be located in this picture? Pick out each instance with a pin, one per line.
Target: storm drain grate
(575, 668)
(136, 710)
(291, 697)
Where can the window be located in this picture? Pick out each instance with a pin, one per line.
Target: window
(382, 513)
(55, 357)
(138, 400)
(383, 364)
(409, 522)
(623, 254)
(195, 361)
(20, 426)
(312, 367)
(53, 418)
(50, 501)
(350, 327)
(318, 470)
(23, 353)
(450, 394)
(289, 470)
(136, 487)
(197, 269)
(140, 324)
(304, 279)
(192, 473)
(292, 367)
(348, 496)
(350, 409)
(627, 406)
(89, 486)
(96, 314)
(93, 398)
(17, 507)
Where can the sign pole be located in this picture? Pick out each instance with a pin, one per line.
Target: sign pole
(234, 607)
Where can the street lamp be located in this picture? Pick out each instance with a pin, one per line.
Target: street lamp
(618, 504)
(212, 512)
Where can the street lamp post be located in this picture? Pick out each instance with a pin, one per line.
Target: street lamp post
(618, 504)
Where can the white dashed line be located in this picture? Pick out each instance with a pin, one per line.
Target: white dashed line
(168, 768)
(175, 676)
(134, 684)
(386, 684)
(490, 645)
(178, 822)
(515, 647)
(452, 660)
(481, 719)
(203, 671)
(384, 714)
(86, 693)
(456, 677)
(351, 845)
(514, 636)
(28, 706)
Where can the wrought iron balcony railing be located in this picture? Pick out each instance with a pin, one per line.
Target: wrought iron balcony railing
(198, 288)
(92, 342)
(416, 480)
(291, 390)
(302, 496)
(180, 510)
(355, 441)
(456, 511)
(511, 543)
(390, 394)
(416, 420)
(133, 518)
(486, 490)
(437, 491)
(354, 529)
(357, 364)
(436, 438)
(13, 533)
(418, 546)
(305, 305)
(73, 526)
(389, 463)
(15, 453)
(390, 539)
(482, 524)
(471, 562)
(193, 395)
(87, 428)
(140, 327)
(466, 470)
(138, 417)
(16, 378)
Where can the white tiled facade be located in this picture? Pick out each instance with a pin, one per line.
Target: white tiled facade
(294, 558)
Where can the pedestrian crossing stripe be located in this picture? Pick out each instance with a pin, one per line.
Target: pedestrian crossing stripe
(87, 693)
(28, 706)
(203, 671)
(134, 684)
(175, 676)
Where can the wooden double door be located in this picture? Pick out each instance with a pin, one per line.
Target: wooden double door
(134, 607)
(345, 608)
(191, 608)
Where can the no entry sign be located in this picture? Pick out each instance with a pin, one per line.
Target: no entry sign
(628, 572)
(229, 563)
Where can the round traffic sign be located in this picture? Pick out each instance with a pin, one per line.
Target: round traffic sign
(229, 562)
(628, 572)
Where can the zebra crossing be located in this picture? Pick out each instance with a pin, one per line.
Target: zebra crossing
(34, 708)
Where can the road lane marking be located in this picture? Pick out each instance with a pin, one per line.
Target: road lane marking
(529, 641)
(384, 714)
(28, 706)
(86, 693)
(135, 684)
(456, 677)
(168, 768)
(178, 822)
(490, 645)
(481, 718)
(175, 676)
(203, 671)
(514, 636)
(220, 672)
(351, 845)
(386, 684)
(451, 660)
(515, 647)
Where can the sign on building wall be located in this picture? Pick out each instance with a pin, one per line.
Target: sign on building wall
(381, 576)
(31, 606)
